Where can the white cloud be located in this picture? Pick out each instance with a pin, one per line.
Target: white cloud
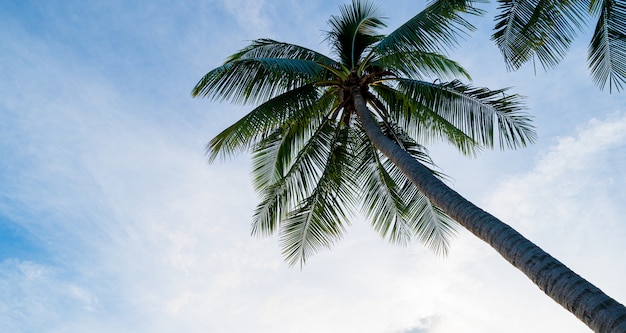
(574, 178)
(250, 15)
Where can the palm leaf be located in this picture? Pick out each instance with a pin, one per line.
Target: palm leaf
(354, 31)
(263, 120)
(607, 50)
(276, 195)
(429, 223)
(424, 123)
(269, 48)
(542, 28)
(484, 115)
(418, 65)
(319, 220)
(301, 134)
(381, 199)
(287, 164)
(282, 192)
(312, 227)
(254, 80)
(436, 28)
(398, 211)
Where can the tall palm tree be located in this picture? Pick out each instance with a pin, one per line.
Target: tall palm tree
(331, 133)
(544, 29)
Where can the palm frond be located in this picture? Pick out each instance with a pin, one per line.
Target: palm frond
(273, 158)
(269, 48)
(398, 211)
(484, 115)
(542, 28)
(429, 223)
(256, 80)
(320, 219)
(288, 162)
(263, 120)
(418, 65)
(434, 29)
(312, 227)
(292, 144)
(607, 50)
(354, 31)
(422, 122)
(275, 202)
(382, 202)
(284, 180)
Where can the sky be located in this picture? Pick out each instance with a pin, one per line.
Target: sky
(112, 220)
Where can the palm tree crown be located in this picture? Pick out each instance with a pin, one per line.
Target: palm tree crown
(312, 160)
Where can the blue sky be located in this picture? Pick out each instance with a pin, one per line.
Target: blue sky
(111, 220)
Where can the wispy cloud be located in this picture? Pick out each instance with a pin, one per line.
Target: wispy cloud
(574, 194)
(250, 15)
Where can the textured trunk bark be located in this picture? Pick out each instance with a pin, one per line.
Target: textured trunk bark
(592, 306)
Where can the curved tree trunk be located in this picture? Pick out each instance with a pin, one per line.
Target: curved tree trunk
(592, 306)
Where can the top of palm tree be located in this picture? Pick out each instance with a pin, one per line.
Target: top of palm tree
(312, 162)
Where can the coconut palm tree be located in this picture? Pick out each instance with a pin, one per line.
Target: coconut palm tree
(331, 133)
(544, 29)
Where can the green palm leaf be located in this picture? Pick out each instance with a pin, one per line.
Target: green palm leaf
(283, 151)
(382, 200)
(426, 222)
(429, 223)
(284, 180)
(484, 115)
(287, 164)
(353, 32)
(254, 80)
(424, 123)
(269, 48)
(542, 28)
(607, 50)
(436, 28)
(319, 219)
(275, 189)
(419, 65)
(398, 211)
(312, 227)
(263, 120)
